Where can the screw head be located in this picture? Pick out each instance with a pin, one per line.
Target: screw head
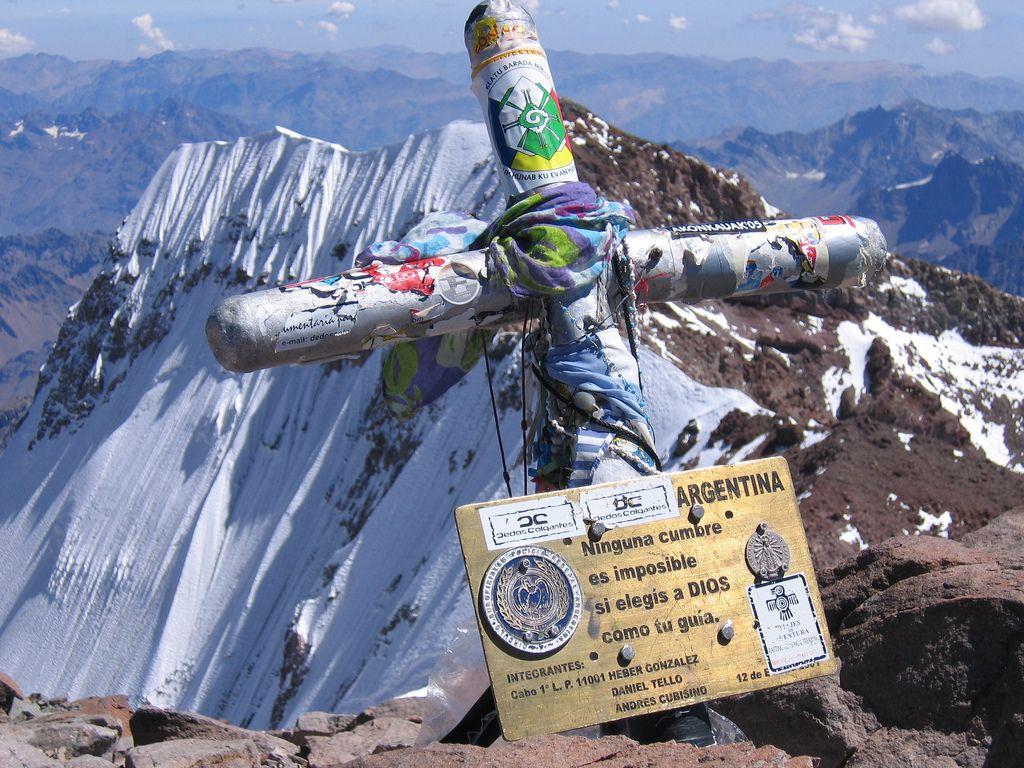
(762, 527)
(596, 530)
(626, 654)
(727, 632)
(697, 512)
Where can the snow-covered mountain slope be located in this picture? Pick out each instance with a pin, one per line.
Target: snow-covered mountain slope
(252, 546)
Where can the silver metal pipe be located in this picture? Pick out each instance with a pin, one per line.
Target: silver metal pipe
(345, 314)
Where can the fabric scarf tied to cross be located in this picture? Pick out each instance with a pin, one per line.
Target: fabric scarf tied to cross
(556, 241)
(552, 244)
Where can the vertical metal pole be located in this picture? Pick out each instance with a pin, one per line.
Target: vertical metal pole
(513, 82)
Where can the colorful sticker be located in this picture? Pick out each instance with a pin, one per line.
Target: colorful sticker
(525, 120)
(411, 277)
(326, 287)
(458, 284)
(719, 228)
(487, 33)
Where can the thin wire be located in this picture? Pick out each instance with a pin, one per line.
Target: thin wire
(494, 410)
(522, 391)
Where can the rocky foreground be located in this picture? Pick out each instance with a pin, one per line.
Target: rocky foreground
(930, 633)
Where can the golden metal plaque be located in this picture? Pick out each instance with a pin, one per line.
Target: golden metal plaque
(616, 600)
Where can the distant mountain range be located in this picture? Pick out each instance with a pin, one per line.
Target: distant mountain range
(78, 140)
(41, 275)
(945, 185)
(371, 97)
(85, 171)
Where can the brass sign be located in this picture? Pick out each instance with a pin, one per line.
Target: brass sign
(600, 603)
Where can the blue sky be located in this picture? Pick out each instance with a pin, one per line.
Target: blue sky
(971, 35)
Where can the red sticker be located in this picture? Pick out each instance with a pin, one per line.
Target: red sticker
(411, 277)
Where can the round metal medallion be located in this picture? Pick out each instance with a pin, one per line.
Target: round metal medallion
(531, 599)
(767, 553)
(457, 283)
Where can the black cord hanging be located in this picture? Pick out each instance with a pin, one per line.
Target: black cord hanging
(522, 391)
(494, 409)
(627, 284)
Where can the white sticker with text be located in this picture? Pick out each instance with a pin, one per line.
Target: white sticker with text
(631, 504)
(530, 521)
(790, 632)
(309, 327)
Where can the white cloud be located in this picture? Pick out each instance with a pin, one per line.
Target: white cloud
(326, 26)
(821, 29)
(12, 43)
(963, 15)
(938, 46)
(678, 22)
(341, 10)
(613, 3)
(642, 17)
(158, 41)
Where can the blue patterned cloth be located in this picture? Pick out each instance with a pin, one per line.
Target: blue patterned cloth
(416, 373)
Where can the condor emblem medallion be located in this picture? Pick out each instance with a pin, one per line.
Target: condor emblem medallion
(531, 599)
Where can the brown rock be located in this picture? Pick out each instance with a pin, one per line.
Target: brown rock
(850, 584)
(324, 723)
(9, 691)
(65, 735)
(151, 725)
(894, 748)
(878, 365)
(18, 754)
(572, 752)
(24, 709)
(1004, 534)
(931, 634)
(88, 761)
(317, 724)
(381, 734)
(816, 718)
(847, 403)
(411, 708)
(935, 650)
(195, 753)
(116, 707)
